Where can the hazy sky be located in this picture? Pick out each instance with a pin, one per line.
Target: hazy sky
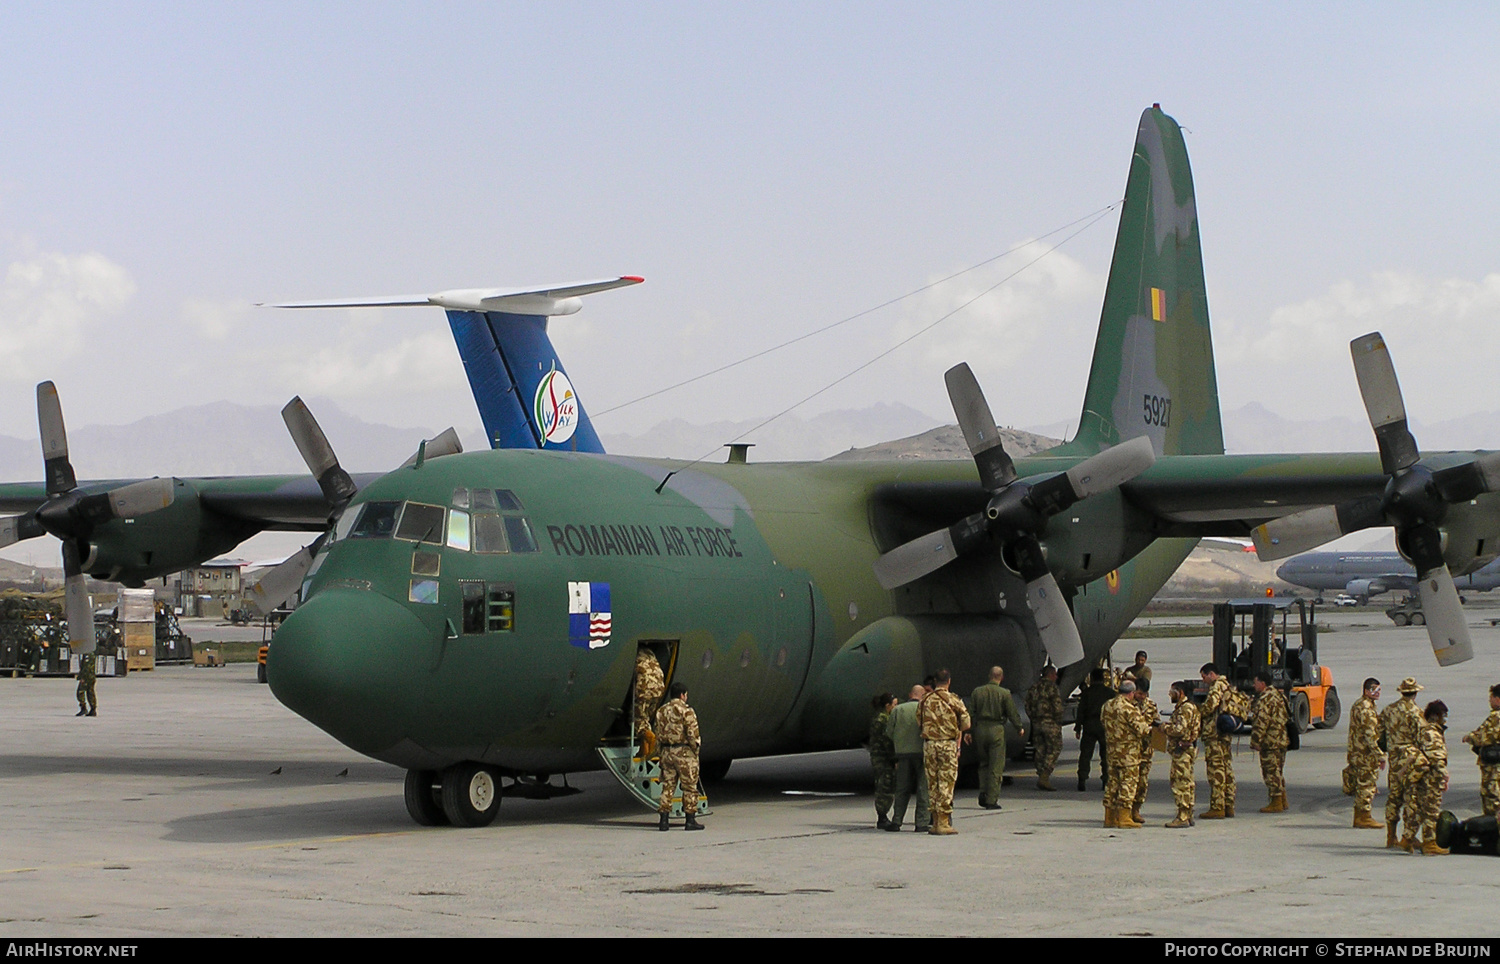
(769, 168)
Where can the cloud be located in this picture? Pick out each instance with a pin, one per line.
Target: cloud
(420, 362)
(48, 304)
(1444, 334)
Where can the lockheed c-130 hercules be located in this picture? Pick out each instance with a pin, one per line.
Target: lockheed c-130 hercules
(473, 617)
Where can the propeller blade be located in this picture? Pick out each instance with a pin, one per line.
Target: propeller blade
(337, 487)
(925, 554)
(80, 614)
(1463, 482)
(49, 418)
(1113, 467)
(1296, 533)
(1054, 621)
(1446, 626)
(996, 470)
(16, 528)
(445, 443)
(141, 498)
(276, 585)
(1382, 394)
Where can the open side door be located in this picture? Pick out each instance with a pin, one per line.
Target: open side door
(637, 770)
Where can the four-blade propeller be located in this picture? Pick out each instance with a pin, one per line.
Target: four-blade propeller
(1415, 500)
(1016, 514)
(72, 516)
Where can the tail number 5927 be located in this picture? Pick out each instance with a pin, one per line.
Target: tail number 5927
(1157, 409)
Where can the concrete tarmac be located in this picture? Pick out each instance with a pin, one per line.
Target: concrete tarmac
(196, 805)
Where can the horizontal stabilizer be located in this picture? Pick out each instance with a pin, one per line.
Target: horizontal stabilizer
(544, 300)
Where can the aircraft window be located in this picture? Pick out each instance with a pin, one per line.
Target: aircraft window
(345, 523)
(474, 611)
(423, 591)
(489, 533)
(482, 499)
(421, 523)
(426, 563)
(507, 500)
(377, 520)
(519, 531)
(460, 498)
(502, 608)
(458, 530)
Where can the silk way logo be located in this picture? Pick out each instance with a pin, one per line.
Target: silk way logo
(555, 407)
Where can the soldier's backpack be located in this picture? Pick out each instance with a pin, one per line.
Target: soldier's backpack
(1237, 706)
(1476, 835)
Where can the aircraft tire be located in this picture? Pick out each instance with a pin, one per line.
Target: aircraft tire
(471, 795)
(422, 801)
(1417, 619)
(1332, 710)
(1400, 619)
(714, 770)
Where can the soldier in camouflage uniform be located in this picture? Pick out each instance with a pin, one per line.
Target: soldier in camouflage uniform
(1182, 744)
(677, 728)
(1401, 724)
(1216, 760)
(883, 758)
(649, 686)
(1488, 734)
(1427, 775)
(944, 722)
(1124, 727)
(1152, 715)
(87, 676)
(1268, 736)
(1044, 707)
(991, 707)
(1365, 758)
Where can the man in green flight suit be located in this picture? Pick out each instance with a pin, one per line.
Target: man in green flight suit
(991, 706)
(87, 677)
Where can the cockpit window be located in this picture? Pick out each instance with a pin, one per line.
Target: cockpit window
(376, 520)
(507, 501)
(498, 500)
(421, 523)
(489, 533)
(519, 532)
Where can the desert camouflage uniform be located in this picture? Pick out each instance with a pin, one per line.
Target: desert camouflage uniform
(1045, 708)
(1489, 775)
(1182, 743)
(883, 762)
(1124, 727)
(1268, 733)
(1401, 722)
(991, 706)
(1151, 715)
(1365, 755)
(87, 674)
(1426, 772)
(649, 687)
(944, 719)
(1216, 761)
(677, 729)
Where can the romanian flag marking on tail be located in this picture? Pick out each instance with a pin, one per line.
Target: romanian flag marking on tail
(1158, 305)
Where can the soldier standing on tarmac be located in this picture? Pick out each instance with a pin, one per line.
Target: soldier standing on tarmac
(1216, 759)
(1044, 706)
(1488, 736)
(1427, 777)
(1401, 723)
(1365, 758)
(991, 707)
(1124, 727)
(1182, 744)
(1090, 730)
(677, 728)
(1268, 736)
(1152, 715)
(87, 677)
(944, 722)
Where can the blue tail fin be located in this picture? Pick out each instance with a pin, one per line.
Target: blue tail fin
(523, 393)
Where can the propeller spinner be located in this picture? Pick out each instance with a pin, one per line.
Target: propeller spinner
(1017, 514)
(1415, 500)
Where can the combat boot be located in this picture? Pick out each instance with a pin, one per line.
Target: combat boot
(692, 822)
(1110, 820)
(942, 825)
(1135, 817)
(1431, 849)
(662, 824)
(1128, 820)
(1184, 819)
(1045, 783)
(1082, 784)
(1409, 844)
(1216, 813)
(1363, 821)
(1391, 840)
(882, 821)
(1228, 810)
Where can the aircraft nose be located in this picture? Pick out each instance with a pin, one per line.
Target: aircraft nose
(345, 661)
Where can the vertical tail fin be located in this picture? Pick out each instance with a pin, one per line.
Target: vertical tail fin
(523, 394)
(1153, 370)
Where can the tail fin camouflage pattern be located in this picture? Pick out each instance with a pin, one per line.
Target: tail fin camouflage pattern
(1153, 369)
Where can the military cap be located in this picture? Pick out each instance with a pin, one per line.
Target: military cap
(1409, 685)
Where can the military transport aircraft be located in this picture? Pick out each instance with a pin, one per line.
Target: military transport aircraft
(1367, 574)
(477, 617)
(474, 617)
